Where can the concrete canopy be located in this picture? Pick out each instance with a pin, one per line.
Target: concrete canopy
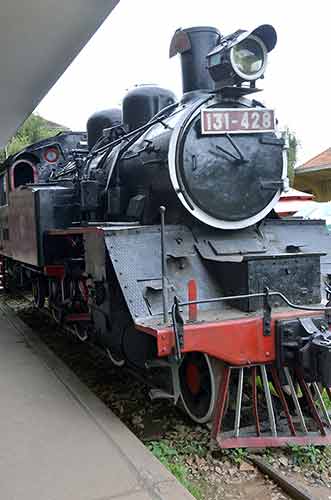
(38, 41)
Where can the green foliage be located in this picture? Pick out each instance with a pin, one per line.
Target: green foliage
(171, 459)
(326, 399)
(193, 448)
(305, 455)
(34, 129)
(292, 153)
(268, 454)
(162, 451)
(237, 455)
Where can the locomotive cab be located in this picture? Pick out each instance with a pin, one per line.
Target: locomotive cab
(21, 174)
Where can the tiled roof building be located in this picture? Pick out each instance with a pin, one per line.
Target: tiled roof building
(314, 176)
(291, 202)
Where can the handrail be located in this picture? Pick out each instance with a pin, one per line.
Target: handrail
(178, 323)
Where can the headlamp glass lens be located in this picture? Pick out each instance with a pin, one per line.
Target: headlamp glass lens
(248, 57)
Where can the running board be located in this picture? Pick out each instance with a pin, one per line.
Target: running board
(263, 383)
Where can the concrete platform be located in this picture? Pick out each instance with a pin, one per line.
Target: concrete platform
(60, 442)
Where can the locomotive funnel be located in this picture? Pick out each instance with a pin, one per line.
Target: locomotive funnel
(193, 44)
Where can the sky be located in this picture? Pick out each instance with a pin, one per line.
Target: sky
(132, 47)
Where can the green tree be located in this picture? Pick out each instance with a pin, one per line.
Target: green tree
(34, 129)
(292, 153)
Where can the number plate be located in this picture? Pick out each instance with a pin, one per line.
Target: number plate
(237, 121)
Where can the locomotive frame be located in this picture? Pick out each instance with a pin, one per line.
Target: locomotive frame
(159, 245)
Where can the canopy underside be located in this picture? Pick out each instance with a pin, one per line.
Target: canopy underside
(38, 41)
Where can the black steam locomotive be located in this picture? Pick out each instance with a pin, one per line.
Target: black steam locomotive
(161, 246)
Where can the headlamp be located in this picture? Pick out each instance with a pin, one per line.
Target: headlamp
(241, 56)
(249, 58)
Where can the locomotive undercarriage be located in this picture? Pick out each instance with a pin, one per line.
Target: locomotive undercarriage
(222, 361)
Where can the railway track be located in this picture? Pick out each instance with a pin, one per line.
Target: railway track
(292, 490)
(185, 445)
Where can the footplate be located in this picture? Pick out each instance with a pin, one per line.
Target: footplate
(270, 408)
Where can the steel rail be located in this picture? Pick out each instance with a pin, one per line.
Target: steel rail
(291, 489)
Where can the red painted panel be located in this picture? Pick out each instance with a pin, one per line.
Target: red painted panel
(56, 271)
(78, 317)
(238, 342)
(271, 441)
(192, 295)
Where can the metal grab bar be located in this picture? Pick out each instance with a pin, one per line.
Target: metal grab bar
(270, 293)
(178, 323)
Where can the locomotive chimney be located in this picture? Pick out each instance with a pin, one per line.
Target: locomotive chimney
(193, 45)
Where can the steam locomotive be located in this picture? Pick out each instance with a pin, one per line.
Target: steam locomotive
(161, 246)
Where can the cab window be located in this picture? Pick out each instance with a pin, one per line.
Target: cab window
(22, 172)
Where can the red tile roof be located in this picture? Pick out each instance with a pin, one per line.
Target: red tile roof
(292, 201)
(319, 162)
(294, 194)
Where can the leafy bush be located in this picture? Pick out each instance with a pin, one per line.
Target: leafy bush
(34, 129)
(305, 455)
